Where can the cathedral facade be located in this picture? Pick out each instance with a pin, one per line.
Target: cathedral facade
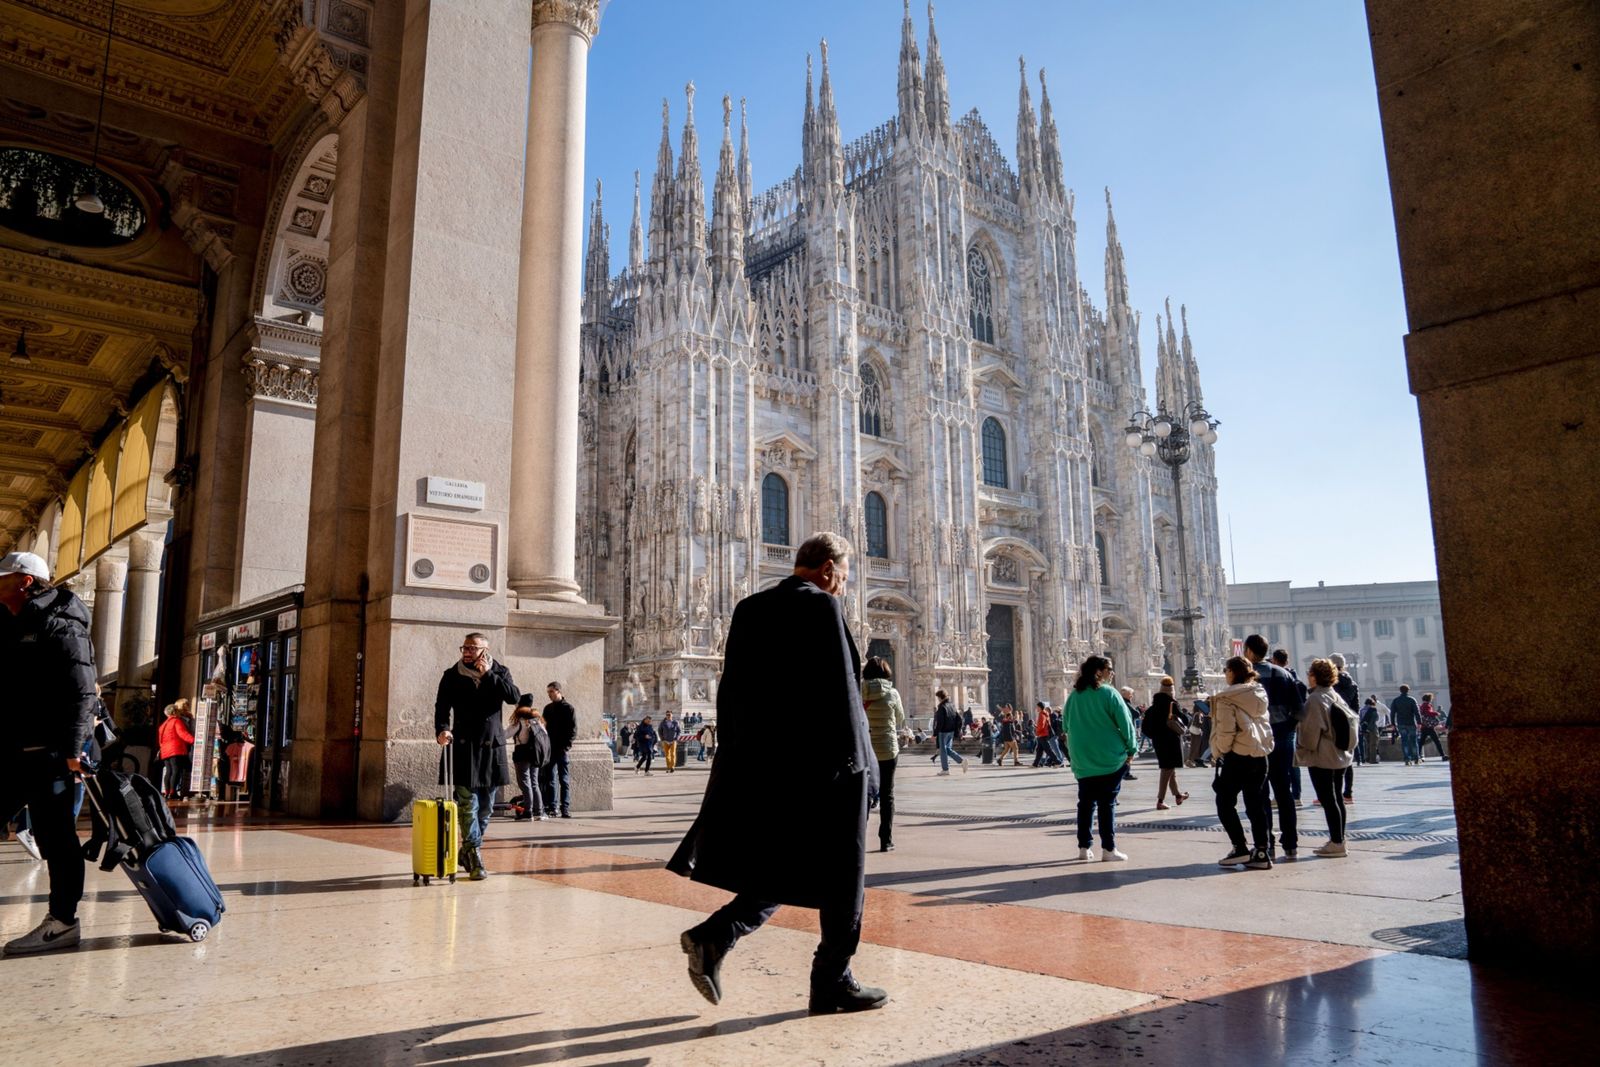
(892, 343)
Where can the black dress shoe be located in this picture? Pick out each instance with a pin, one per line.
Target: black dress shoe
(845, 995)
(705, 966)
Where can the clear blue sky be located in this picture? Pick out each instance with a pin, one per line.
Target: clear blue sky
(1242, 147)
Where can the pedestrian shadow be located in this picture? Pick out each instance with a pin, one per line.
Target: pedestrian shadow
(1448, 938)
(423, 1044)
(1425, 852)
(125, 941)
(278, 887)
(599, 868)
(1077, 881)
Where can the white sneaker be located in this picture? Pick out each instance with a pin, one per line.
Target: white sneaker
(1331, 849)
(48, 936)
(25, 839)
(1114, 856)
(942, 774)
(1086, 855)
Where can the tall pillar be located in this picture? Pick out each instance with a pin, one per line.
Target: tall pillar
(138, 645)
(1488, 116)
(544, 450)
(110, 573)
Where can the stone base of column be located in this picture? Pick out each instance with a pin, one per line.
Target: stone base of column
(550, 641)
(534, 592)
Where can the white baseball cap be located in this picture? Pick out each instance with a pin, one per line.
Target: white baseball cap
(25, 563)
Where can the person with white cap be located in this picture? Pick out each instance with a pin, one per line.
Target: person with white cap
(47, 662)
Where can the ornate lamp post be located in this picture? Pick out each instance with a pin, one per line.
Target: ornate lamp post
(1172, 438)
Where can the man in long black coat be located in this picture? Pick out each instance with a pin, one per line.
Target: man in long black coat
(788, 829)
(467, 711)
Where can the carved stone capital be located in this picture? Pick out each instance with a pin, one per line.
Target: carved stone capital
(272, 380)
(326, 50)
(581, 15)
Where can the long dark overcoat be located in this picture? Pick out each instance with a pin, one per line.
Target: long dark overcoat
(784, 816)
(473, 715)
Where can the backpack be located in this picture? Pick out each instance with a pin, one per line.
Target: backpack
(1341, 723)
(128, 816)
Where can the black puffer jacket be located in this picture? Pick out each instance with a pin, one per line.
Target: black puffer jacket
(47, 663)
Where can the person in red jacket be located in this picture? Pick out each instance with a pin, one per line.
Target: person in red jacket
(176, 737)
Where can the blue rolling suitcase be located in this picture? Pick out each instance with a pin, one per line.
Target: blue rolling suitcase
(135, 828)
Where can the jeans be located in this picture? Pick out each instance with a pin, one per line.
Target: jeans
(43, 783)
(1243, 776)
(947, 752)
(473, 808)
(1279, 764)
(1326, 783)
(557, 768)
(1098, 793)
(532, 800)
(886, 801)
(1408, 744)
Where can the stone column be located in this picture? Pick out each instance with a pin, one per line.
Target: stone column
(110, 572)
(1489, 126)
(544, 450)
(138, 646)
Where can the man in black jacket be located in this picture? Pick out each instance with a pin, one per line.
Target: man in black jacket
(561, 720)
(1346, 688)
(791, 831)
(47, 662)
(1285, 706)
(467, 711)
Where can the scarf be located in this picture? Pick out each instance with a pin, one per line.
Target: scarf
(473, 673)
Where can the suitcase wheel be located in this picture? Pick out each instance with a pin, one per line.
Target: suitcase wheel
(199, 930)
(425, 880)
(416, 879)
(452, 879)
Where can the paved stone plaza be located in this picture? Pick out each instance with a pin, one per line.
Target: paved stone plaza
(996, 948)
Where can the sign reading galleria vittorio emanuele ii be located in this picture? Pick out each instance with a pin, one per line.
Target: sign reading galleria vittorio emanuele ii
(891, 342)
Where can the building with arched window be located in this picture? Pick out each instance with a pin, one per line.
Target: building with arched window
(864, 347)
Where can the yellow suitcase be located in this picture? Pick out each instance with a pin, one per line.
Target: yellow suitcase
(434, 829)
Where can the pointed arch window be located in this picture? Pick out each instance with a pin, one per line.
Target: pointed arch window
(877, 514)
(1104, 563)
(774, 510)
(994, 454)
(980, 296)
(1161, 571)
(1097, 452)
(871, 402)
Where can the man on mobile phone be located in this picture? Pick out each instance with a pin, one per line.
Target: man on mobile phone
(467, 711)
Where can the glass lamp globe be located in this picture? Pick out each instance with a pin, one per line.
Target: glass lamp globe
(1163, 428)
(1210, 437)
(1148, 448)
(90, 203)
(1199, 427)
(1134, 438)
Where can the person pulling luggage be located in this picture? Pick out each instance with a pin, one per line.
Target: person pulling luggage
(467, 711)
(48, 663)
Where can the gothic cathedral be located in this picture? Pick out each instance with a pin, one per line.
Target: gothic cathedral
(891, 343)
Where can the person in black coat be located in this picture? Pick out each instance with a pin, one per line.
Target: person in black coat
(1157, 724)
(792, 830)
(561, 720)
(467, 711)
(644, 746)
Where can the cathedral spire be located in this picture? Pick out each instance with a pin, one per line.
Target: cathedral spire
(744, 164)
(1116, 270)
(1191, 369)
(1027, 139)
(661, 195)
(1171, 385)
(808, 137)
(636, 232)
(935, 89)
(597, 264)
(912, 106)
(727, 226)
(1050, 144)
(689, 227)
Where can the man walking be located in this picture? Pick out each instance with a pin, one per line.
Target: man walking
(946, 725)
(1406, 716)
(1371, 723)
(48, 664)
(561, 722)
(467, 711)
(1285, 705)
(790, 831)
(670, 732)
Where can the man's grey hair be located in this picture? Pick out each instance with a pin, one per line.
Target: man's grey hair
(822, 548)
(1337, 660)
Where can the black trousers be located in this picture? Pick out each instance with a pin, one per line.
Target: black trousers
(43, 783)
(886, 800)
(1244, 776)
(1280, 775)
(1426, 734)
(1326, 783)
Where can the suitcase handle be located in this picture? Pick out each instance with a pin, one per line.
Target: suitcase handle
(447, 757)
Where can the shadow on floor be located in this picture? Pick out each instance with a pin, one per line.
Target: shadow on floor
(423, 1044)
(1430, 939)
(1081, 878)
(279, 887)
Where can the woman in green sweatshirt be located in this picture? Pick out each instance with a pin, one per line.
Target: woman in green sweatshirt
(1101, 739)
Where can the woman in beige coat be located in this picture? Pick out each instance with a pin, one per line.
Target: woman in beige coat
(1241, 738)
(1317, 749)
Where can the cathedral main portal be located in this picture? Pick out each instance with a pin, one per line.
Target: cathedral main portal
(1002, 652)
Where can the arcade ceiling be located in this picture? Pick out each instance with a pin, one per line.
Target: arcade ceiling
(197, 95)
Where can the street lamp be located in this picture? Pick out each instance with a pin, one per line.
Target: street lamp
(1172, 439)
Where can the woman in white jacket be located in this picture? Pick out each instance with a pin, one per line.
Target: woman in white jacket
(1241, 738)
(1318, 750)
